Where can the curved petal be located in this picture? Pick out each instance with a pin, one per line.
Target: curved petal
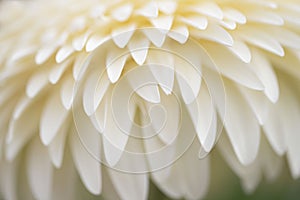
(52, 118)
(88, 167)
(203, 115)
(130, 186)
(230, 66)
(243, 130)
(39, 170)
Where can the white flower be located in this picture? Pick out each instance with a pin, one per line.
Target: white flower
(116, 93)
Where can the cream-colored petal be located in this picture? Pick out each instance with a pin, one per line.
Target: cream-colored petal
(39, 170)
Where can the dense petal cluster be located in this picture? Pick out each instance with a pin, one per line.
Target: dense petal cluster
(80, 82)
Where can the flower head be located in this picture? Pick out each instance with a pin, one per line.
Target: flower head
(121, 92)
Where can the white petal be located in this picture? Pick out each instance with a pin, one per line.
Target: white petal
(264, 4)
(21, 107)
(138, 47)
(149, 10)
(161, 64)
(66, 176)
(264, 71)
(258, 102)
(240, 49)
(166, 186)
(9, 179)
(180, 34)
(57, 146)
(285, 37)
(163, 23)
(80, 64)
(287, 62)
(52, 118)
(194, 178)
(249, 174)
(294, 161)
(289, 117)
(166, 121)
(243, 130)
(108, 190)
(101, 89)
(188, 68)
(272, 164)
(214, 33)
(273, 128)
(95, 88)
(210, 9)
(7, 92)
(20, 53)
(29, 125)
(234, 15)
(250, 182)
(49, 35)
(5, 117)
(227, 24)
(44, 54)
(130, 186)
(197, 175)
(262, 40)
(233, 68)
(143, 83)
(115, 63)
(88, 167)
(97, 11)
(63, 53)
(167, 7)
(203, 115)
(99, 117)
(196, 21)
(149, 93)
(115, 136)
(155, 36)
(215, 85)
(290, 16)
(39, 170)
(119, 119)
(57, 71)
(36, 83)
(79, 42)
(122, 35)
(264, 16)
(77, 24)
(95, 41)
(159, 154)
(66, 92)
(122, 13)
